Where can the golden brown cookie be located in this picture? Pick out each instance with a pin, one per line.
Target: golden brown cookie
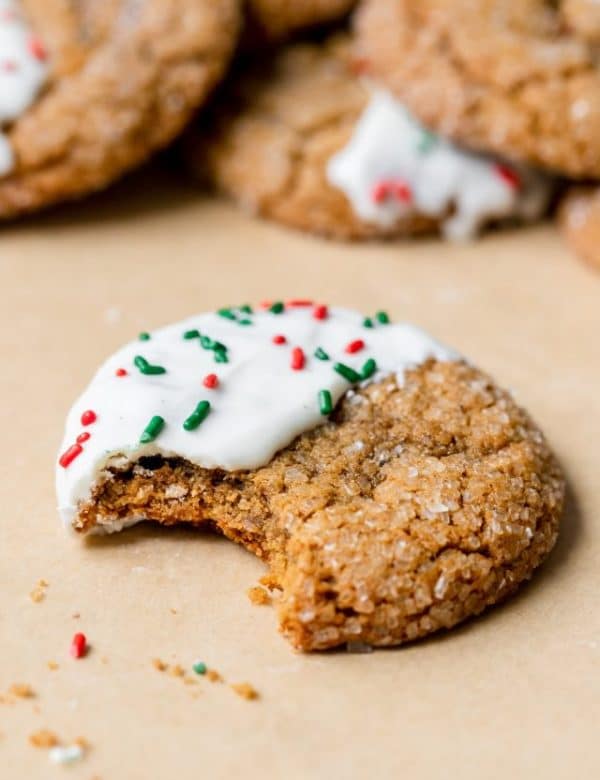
(274, 20)
(124, 76)
(301, 139)
(579, 219)
(392, 489)
(519, 78)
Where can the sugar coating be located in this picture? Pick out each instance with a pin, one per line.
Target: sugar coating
(260, 405)
(22, 73)
(462, 189)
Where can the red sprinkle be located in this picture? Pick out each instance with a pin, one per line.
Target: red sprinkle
(211, 381)
(320, 312)
(78, 646)
(298, 359)
(402, 191)
(83, 437)
(265, 304)
(380, 192)
(355, 346)
(279, 339)
(120, 372)
(37, 49)
(88, 417)
(299, 302)
(69, 456)
(510, 176)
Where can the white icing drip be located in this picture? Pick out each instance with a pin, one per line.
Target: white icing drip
(463, 189)
(23, 71)
(260, 405)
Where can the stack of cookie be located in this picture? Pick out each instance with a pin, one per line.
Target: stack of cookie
(409, 118)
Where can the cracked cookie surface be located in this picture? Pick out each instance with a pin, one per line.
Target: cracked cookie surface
(414, 508)
(520, 78)
(125, 76)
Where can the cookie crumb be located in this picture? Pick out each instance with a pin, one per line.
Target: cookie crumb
(213, 675)
(177, 670)
(39, 592)
(258, 596)
(52, 665)
(159, 665)
(22, 691)
(245, 691)
(43, 739)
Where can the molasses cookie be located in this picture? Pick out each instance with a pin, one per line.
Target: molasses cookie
(89, 90)
(520, 78)
(274, 20)
(392, 488)
(303, 140)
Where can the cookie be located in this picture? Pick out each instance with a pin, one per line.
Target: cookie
(579, 219)
(275, 20)
(392, 488)
(89, 90)
(301, 139)
(519, 78)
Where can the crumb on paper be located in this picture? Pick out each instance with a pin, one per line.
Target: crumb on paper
(213, 675)
(269, 581)
(176, 670)
(22, 691)
(258, 596)
(43, 739)
(159, 665)
(39, 592)
(66, 755)
(52, 665)
(76, 615)
(245, 691)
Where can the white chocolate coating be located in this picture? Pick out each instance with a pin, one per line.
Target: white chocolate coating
(260, 405)
(463, 189)
(23, 71)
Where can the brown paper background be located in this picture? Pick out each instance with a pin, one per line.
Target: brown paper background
(514, 694)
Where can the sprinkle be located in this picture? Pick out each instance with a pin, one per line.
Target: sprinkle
(147, 368)
(245, 322)
(69, 456)
(298, 359)
(199, 667)
(246, 308)
(369, 368)
(402, 191)
(245, 691)
(509, 175)
(355, 346)
(83, 437)
(382, 317)
(144, 336)
(265, 304)
(298, 302)
(277, 307)
(226, 313)
(279, 339)
(152, 430)
(191, 334)
(78, 646)
(325, 403)
(198, 416)
(367, 322)
(320, 312)
(37, 48)
(221, 356)
(320, 354)
(348, 373)
(379, 192)
(426, 141)
(211, 381)
(88, 417)
(120, 372)
(65, 755)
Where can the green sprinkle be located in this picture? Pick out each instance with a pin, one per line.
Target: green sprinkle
(367, 322)
(198, 416)
(426, 141)
(226, 313)
(206, 342)
(369, 368)
(191, 334)
(221, 356)
(147, 368)
(152, 430)
(245, 322)
(199, 667)
(325, 403)
(320, 354)
(277, 307)
(348, 373)
(144, 336)
(382, 317)
(246, 308)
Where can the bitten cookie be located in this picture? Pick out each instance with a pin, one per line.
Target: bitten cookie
(274, 20)
(392, 488)
(301, 139)
(579, 219)
(520, 78)
(89, 90)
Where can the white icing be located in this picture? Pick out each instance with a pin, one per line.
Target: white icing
(260, 405)
(463, 189)
(23, 71)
